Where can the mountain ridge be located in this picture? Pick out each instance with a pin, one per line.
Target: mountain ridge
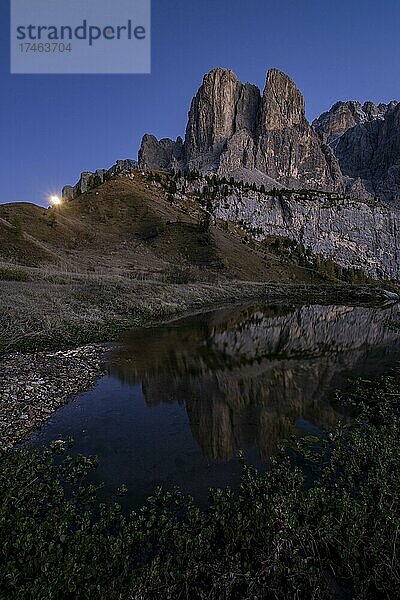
(234, 130)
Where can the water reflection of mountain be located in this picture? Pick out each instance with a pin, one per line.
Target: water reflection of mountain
(246, 375)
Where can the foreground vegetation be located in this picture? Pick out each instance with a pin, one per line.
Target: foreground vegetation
(323, 522)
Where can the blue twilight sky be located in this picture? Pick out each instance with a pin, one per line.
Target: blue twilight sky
(53, 127)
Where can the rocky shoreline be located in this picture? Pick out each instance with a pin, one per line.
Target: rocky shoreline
(33, 386)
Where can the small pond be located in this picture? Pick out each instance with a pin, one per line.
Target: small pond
(181, 399)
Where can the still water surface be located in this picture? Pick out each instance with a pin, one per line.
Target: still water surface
(180, 400)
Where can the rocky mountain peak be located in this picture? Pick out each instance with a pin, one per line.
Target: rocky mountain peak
(222, 106)
(164, 153)
(283, 103)
(342, 116)
(234, 131)
(288, 148)
(366, 141)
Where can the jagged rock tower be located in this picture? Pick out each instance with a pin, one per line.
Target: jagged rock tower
(234, 131)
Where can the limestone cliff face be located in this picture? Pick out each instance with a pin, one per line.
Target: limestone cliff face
(233, 130)
(355, 234)
(366, 141)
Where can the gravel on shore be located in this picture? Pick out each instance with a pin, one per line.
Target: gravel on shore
(33, 386)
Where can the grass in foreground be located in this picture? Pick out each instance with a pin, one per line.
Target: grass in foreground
(323, 522)
(57, 310)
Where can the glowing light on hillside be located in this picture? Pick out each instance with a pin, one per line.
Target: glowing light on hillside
(55, 200)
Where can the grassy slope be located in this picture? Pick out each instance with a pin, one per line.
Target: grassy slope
(130, 225)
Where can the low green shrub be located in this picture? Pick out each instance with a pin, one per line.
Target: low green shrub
(322, 522)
